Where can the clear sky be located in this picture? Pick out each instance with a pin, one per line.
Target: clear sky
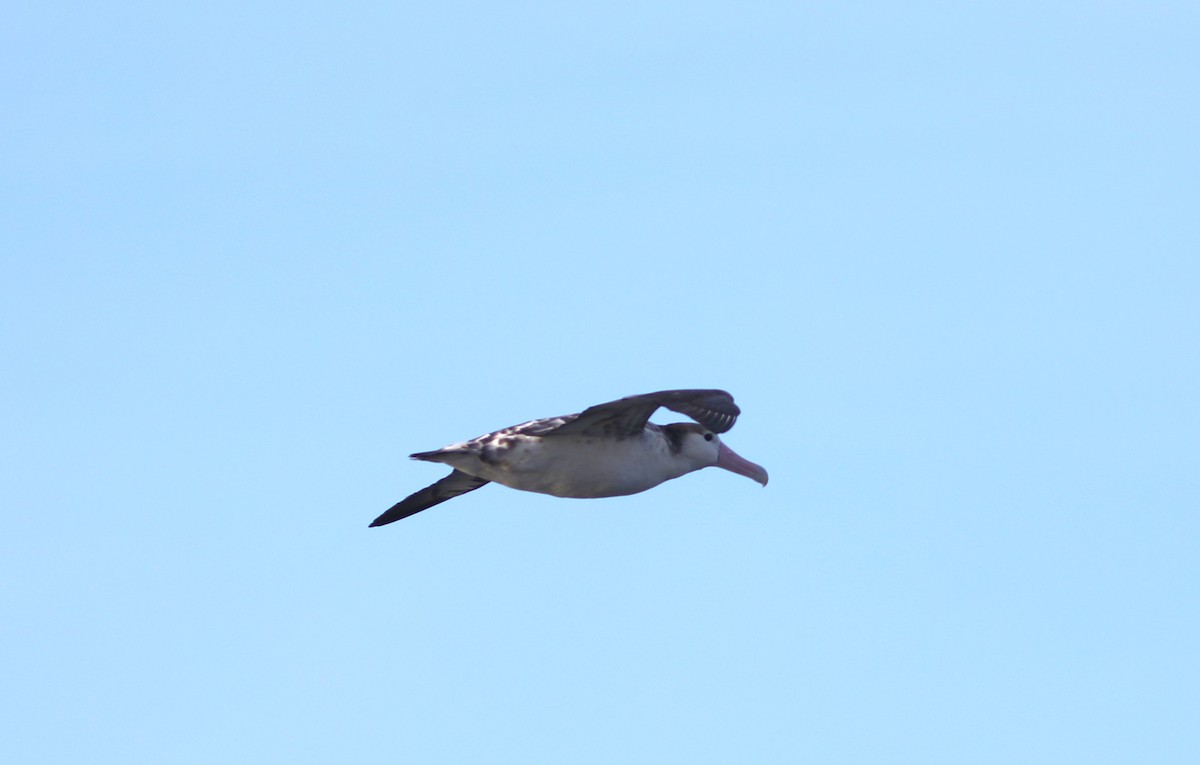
(945, 255)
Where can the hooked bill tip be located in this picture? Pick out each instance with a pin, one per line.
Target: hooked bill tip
(730, 460)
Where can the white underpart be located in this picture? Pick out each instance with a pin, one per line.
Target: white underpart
(568, 466)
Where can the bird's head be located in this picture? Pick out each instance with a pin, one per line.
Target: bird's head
(703, 448)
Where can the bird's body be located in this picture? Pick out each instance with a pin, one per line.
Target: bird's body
(607, 450)
(567, 466)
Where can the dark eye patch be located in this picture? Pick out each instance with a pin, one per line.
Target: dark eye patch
(708, 436)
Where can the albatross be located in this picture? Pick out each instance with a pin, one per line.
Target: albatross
(607, 450)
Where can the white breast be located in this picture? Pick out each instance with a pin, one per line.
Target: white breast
(579, 466)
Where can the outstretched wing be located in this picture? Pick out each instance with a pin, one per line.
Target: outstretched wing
(714, 409)
(449, 487)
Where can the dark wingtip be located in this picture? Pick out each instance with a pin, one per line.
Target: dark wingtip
(451, 486)
(391, 515)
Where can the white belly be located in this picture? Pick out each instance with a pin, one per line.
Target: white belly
(576, 467)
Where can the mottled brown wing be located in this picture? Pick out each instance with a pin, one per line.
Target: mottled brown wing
(625, 417)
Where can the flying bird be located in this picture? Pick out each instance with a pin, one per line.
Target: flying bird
(607, 450)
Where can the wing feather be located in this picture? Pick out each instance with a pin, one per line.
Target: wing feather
(451, 486)
(625, 417)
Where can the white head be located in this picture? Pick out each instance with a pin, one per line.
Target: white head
(701, 448)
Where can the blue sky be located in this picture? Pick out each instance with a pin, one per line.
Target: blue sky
(944, 255)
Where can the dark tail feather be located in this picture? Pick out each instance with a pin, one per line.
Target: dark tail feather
(427, 456)
(448, 488)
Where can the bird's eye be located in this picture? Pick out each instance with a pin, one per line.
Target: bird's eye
(708, 436)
